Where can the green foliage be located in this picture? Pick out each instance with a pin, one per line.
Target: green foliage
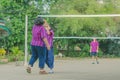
(15, 54)
(84, 26)
(85, 50)
(14, 13)
(100, 53)
(101, 27)
(15, 51)
(2, 53)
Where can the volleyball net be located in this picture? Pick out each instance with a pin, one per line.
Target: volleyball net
(75, 42)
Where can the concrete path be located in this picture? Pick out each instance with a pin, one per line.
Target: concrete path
(68, 69)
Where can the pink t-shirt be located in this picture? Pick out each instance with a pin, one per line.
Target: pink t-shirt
(94, 46)
(50, 38)
(38, 33)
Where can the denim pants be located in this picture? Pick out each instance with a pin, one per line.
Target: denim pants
(93, 53)
(50, 58)
(38, 53)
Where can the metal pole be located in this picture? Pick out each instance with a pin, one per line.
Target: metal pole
(26, 48)
(95, 15)
(86, 37)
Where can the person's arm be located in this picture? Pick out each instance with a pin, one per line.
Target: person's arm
(44, 38)
(90, 47)
(97, 47)
(46, 43)
(47, 27)
(48, 31)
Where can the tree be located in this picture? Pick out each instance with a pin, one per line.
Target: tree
(101, 27)
(14, 13)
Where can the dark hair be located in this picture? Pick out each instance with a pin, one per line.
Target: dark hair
(39, 21)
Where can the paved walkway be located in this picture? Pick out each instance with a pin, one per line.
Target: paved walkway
(69, 69)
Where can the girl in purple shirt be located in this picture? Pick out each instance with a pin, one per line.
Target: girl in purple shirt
(94, 46)
(50, 54)
(38, 45)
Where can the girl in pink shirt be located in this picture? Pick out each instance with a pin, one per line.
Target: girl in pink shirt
(94, 46)
(50, 54)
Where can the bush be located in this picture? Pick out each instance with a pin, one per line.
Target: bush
(16, 54)
(2, 53)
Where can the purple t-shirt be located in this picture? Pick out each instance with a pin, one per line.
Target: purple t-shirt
(50, 38)
(94, 46)
(38, 33)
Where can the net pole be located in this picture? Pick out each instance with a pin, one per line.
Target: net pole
(26, 47)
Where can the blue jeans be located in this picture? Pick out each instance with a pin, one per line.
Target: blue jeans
(50, 58)
(38, 53)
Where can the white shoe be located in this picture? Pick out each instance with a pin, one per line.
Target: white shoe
(97, 62)
(51, 72)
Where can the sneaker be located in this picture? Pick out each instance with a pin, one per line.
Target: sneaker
(97, 62)
(51, 72)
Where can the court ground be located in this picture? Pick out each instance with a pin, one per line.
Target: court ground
(68, 69)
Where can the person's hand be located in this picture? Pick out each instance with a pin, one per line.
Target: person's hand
(46, 43)
(47, 27)
(48, 47)
(97, 51)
